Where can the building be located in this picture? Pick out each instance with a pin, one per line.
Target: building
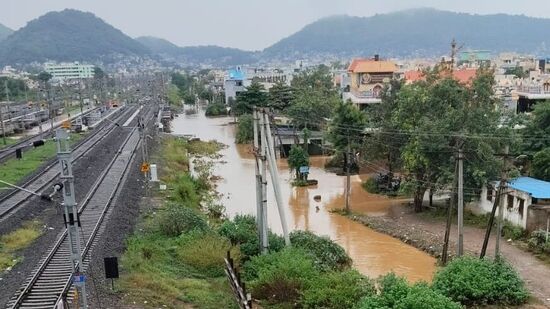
(526, 201)
(235, 82)
(474, 58)
(367, 78)
(64, 71)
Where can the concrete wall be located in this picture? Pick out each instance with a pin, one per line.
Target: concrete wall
(511, 211)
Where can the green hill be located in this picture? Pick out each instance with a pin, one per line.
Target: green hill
(194, 55)
(68, 35)
(417, 32)
(4, 32)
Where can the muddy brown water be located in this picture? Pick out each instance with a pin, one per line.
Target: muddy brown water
(373, 253)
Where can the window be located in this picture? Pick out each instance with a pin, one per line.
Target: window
(510, 203)
(521, 206)
(490, 193)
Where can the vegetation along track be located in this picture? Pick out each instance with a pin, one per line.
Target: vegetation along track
(11, 201)
(52, 278)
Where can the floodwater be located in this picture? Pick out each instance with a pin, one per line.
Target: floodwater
(373, 253)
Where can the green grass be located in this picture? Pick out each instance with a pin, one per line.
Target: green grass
(470, 219)
(14, 170)
(9, 141)
(15, 241)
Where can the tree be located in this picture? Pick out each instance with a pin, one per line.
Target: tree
(206, 94)
(347, 127)
(189, 98)
(538, 129)
(245, 129)
(44, 76)
(16, 88)
(517, 71)
(541, 164)
(318, 79)
(99, 73)
(297, 158)
(280, 96)
(310, 108)
(174, 97)
(254, 96)
(435, 116)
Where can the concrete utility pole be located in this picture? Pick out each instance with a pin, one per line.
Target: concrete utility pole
(348, 176)
(460, 199)
(70, 215)
(2, 113)
(497, 203)
(445, 253)
(259, 192)
(274, 172)
(502, 187)
(263, 156)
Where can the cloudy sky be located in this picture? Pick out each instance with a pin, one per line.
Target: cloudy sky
(247, 24)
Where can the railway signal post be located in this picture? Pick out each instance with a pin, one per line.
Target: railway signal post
(70, 214)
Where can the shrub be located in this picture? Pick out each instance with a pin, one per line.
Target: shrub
(326, 254)
(206, 251)
(281, 276)
(371, 186)
(396, 293)
(242, 231)
(512, 231)
(537, 242)
(186, 191)
(337, 290)
(473, 281)
(421, 296)
(215, 109)
(177, 219)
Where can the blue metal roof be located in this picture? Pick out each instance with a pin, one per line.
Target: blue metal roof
(236, 74)
(535, 187)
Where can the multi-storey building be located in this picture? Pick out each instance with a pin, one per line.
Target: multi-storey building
(64, 71)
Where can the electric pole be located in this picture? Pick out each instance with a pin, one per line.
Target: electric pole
(259, 181)
(263, 156)
(497, 203)
(70, 215)
(504, 183)
(348, 176)
(445, 253)
(2, 113)
(460, 199)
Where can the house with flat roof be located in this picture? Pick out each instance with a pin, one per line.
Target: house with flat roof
(234, 82)
(526, 202)
(367, 78)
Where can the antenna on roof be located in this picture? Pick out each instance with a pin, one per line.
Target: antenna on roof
(454, 51)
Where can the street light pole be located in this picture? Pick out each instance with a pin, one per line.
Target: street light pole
(2, 113)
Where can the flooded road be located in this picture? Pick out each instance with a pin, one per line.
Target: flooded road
(373, 253)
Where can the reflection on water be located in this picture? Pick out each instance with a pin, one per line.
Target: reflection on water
(373, 253)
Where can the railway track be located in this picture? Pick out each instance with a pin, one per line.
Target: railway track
(11, 201)
(51, 280)
(9, 151)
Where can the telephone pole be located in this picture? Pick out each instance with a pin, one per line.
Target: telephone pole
(2, 113)
(460, 199)
(504, 183)
(70, 215)
(445, 253)
(497, 203)
(260, 183)
(348, 176)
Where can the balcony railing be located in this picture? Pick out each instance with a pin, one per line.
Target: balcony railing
(365, 94)
(534, 89)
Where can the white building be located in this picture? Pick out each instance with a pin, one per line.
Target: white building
(526, 202)
(63, 71)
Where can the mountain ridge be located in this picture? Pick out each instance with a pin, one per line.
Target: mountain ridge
(4, 32)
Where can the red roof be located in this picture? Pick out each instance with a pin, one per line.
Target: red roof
(464, 76)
